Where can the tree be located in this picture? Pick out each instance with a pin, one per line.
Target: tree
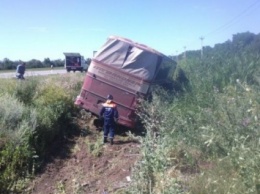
(7, 64)
(34, 63)
(47, 62)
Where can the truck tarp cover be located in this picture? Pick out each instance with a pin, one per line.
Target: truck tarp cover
(130, 57)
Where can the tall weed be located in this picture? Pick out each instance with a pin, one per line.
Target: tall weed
(18, 125)
(150, 172)
(210, 134)
(33, 115)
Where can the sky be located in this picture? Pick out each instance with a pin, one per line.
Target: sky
(39, 29)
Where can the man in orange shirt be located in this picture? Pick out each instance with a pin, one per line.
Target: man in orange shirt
(110, 114)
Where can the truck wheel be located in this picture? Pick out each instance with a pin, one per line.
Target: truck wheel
(68, 70)
(74, 71)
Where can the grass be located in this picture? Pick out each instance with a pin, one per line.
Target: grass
(33, 115)
(95, 147)
(205, 140)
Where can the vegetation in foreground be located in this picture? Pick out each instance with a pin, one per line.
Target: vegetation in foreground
(33, 114)
(204, 140)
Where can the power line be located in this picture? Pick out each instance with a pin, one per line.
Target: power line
(229, 23)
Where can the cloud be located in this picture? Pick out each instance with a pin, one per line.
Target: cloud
(97, 29)
(38, 29)
(88, 29)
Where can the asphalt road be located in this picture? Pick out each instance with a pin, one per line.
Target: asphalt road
(34, 73)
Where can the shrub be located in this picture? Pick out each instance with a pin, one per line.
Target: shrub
(54, 104)
(17, 128)
(33, 115)
(207, 139)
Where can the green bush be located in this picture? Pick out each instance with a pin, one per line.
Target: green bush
(54, 108)
(33, 115)
(18, 125)
(207, 139)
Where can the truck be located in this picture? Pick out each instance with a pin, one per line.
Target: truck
(75, 62)
(127, 70)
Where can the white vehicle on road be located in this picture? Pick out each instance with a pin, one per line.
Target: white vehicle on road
(75, 62)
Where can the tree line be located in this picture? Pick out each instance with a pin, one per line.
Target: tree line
(7, 64)
(244, 42)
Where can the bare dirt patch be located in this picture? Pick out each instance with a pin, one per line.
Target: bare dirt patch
(89, 166)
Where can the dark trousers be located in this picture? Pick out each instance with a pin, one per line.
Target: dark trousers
(19, 76)
(109, 128)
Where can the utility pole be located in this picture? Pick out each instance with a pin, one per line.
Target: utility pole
(184, 53)
(201, 54)
(177, 56)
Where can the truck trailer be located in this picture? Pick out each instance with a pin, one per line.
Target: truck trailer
(128, 71)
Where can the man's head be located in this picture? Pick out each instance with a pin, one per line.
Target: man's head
(109, 97)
